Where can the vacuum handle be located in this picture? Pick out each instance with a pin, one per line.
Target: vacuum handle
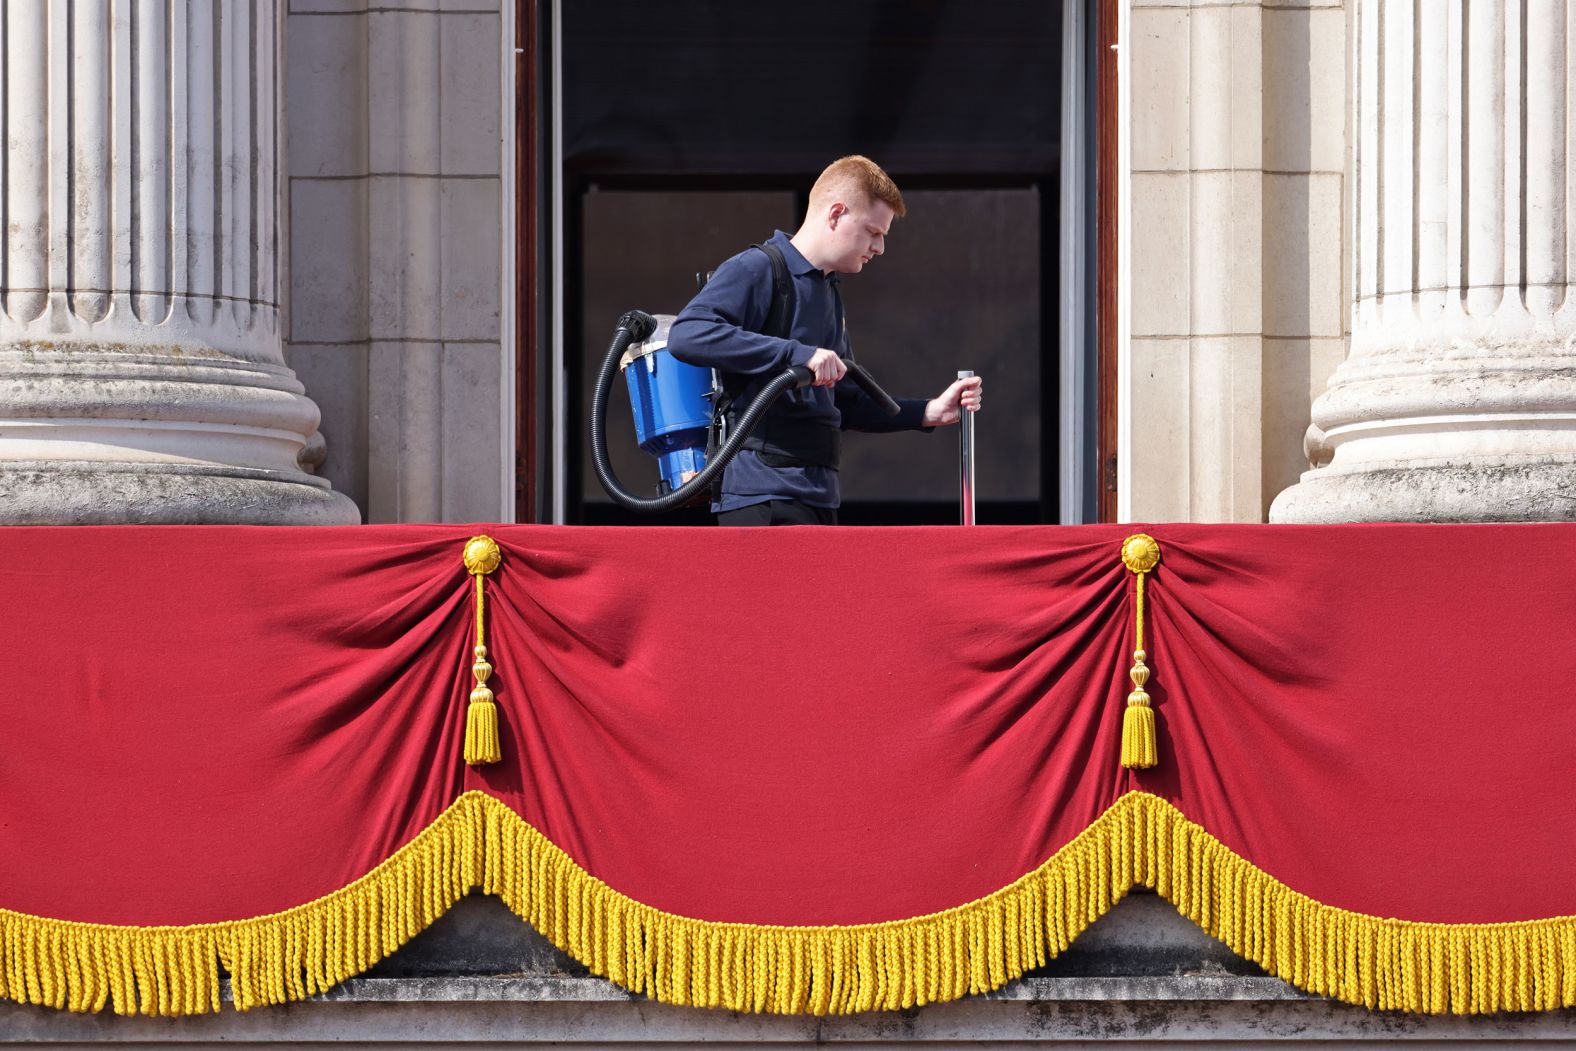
(857, 373)
(966, 460)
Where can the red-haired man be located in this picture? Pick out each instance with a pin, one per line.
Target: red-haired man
(787, 473)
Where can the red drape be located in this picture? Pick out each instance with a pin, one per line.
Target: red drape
(790, 726)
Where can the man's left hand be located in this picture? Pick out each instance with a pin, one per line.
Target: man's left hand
(948, 406)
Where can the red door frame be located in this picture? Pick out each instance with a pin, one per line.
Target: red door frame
(1105, 252)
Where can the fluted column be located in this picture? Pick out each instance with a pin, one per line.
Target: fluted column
(142, 376)
(1457, 401)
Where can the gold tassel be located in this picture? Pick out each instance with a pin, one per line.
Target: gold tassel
(1140, 751)
(1138, 727)
(481, 715)
(481, 728)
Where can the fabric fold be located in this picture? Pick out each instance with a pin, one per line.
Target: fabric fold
(792, 770)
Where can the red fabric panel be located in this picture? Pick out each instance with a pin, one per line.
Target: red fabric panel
(1376, 714)
(801, 726)
(209, 724)
(807, 726)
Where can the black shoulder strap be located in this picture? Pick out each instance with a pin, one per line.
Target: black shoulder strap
(779, 320)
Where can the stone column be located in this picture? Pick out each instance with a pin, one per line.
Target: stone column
(142, 377)
(1457, 401)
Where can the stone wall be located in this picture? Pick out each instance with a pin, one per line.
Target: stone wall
(396, 205)
(1238, 173)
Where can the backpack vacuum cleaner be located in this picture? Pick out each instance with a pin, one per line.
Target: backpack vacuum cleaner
(681, 413)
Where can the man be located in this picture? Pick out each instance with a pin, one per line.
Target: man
(787, 473)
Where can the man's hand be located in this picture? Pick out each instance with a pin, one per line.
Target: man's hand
(948, 405)
(827, 366)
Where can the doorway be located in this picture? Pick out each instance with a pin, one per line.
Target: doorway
(673, 135)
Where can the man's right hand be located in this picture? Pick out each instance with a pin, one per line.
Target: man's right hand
(827, 366)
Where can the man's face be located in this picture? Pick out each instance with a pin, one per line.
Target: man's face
(858, 234)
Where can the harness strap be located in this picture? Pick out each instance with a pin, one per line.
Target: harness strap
(781, 442)
(779, 319)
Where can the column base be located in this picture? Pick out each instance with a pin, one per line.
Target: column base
(1541, 490)
(65, 492)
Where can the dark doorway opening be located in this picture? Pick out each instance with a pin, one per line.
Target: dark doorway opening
(690, 129)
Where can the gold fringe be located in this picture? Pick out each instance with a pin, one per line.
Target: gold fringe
(1387, 964)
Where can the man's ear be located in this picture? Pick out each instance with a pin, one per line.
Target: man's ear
(836, 212)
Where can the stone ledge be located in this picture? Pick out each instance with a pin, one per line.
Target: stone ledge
(571, 989)
(572, 1010)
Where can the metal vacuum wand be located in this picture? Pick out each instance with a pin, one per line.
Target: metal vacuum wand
(966, 459)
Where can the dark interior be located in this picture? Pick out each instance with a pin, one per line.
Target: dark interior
(693, 129)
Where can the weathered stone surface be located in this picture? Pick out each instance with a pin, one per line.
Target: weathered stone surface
(1458, 400)
(1531, 490)
(1462, 432)
(78, 493)
(530, 1011)
(142, 374)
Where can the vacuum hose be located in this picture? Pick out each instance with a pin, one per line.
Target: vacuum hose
(636, 326)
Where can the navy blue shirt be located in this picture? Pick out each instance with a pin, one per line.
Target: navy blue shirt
(720, 329)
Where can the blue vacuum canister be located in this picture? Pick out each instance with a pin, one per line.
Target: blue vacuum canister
(672, 405)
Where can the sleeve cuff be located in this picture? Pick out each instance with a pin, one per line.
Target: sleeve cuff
(911, 414)
(799, 353)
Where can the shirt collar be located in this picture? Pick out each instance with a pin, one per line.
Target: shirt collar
(797, 263)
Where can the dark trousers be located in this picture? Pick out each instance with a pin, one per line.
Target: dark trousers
(779, 512)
